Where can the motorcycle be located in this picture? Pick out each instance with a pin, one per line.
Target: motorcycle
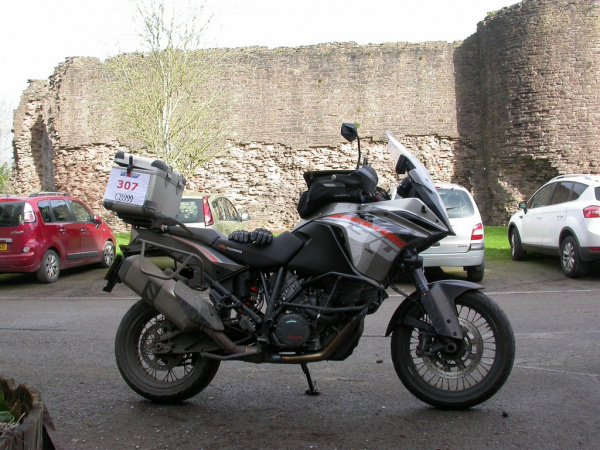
(303, 297)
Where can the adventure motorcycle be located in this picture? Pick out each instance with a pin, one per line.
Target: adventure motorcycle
(303, 297)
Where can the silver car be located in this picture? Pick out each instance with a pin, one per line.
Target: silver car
(466, 249)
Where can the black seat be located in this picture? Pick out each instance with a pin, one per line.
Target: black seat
(277, 253)
(205, 235)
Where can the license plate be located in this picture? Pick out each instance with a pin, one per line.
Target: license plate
(3, 246)
(127, 188)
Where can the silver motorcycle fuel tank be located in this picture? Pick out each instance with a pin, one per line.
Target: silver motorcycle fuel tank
(375, 233)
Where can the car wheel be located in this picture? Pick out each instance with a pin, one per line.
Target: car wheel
(49, 267)
(475, 273)
(570, 259)
(108, 254)
(517, 252)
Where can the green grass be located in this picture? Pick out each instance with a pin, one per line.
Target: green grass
(497, 246)
(122, 239)
(496, 243)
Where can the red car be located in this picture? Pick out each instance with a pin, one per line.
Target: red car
(47, 232)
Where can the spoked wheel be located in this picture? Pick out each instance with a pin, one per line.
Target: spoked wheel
(147, 366)
(466, 377)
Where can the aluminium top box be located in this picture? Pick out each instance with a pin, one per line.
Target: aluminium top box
(141, 190)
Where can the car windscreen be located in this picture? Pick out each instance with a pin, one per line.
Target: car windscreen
(191, 211)
(457, 202)
(11, 213)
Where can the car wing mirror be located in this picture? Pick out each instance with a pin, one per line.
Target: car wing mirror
(523, 206)
(245, 217)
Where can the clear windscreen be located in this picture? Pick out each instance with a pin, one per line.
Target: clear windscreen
(419, 174)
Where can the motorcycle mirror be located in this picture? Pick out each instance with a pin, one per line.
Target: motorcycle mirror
(349, 131)
(402, 166)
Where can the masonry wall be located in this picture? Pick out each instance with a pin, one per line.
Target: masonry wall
(520, 97)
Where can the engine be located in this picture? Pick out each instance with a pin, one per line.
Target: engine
(309, 315)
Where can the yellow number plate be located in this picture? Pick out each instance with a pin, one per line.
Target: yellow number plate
(3, 246)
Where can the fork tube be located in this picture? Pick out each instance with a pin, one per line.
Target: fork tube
(418, 277)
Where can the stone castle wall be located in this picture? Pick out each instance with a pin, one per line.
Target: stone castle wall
(500, 112)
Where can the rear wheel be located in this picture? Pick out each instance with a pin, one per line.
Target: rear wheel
(517, 252)
(475, 273)
(49, 269)
(570, 259)
(159, 376)
(466, 377)
(108, 254)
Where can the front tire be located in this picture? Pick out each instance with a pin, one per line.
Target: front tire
(108, 254)
(517, 252)
(570, 259)
(164, 377)
(469, 376)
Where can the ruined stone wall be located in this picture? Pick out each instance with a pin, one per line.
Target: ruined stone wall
(540, 63)
(500, 113)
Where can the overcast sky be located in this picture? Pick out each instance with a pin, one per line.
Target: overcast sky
(37, 35)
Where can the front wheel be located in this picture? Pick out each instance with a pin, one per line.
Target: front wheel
(466, 377)
(151, 371)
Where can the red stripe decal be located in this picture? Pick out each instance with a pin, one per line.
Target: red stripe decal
(387, 234)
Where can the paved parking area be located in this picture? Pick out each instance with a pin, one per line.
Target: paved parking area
(60, 338)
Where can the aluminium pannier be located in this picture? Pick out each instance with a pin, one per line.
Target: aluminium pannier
(141, 190)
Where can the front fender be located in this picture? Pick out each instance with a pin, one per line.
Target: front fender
(439, 306)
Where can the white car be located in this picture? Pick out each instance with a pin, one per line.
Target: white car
(561, 218)
(466, 249)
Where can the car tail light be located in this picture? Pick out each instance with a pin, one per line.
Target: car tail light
(208, 218)
(477, 233)
(28, 214)
(591, 212)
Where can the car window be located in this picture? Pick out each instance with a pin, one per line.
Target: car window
(542, 197)
(191, 211)
(219, 209)
(457, 202)
(562, 192)
(232, 212)
(11, 213)
(577, 190)
(60, 211)
(44, 207)
(81, 213)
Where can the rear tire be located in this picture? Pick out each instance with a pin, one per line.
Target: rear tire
(475, 273)
(49, 269)
(517, 252)
(570, 259)
(164, 377)
(108, 254)
(470, 375)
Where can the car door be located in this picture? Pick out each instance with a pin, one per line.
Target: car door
(64, 230)
(553, 216)
(90, 242)
(532, 229)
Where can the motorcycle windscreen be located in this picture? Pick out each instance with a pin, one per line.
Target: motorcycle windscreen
(422, 184)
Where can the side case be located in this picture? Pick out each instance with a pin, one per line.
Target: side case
(140, 190)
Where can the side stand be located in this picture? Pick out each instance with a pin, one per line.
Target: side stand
(311, 387)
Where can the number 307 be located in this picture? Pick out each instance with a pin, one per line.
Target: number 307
(127, 185)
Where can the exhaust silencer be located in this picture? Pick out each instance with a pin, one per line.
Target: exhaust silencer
(178, 302)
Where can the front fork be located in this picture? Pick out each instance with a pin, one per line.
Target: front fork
(437, 300)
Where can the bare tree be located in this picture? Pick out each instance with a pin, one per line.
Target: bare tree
(166, 97)
(6, 121)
